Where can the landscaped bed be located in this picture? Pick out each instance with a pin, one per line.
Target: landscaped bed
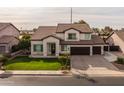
(119, 63)
(26, 63)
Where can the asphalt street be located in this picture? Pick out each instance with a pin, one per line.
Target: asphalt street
(60, 81)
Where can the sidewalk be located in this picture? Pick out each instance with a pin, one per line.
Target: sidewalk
(99, 72)
(110, 57)
(33, 72)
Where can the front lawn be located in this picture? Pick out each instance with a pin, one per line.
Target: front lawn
(26, 63)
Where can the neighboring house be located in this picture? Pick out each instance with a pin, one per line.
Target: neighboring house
(117, 39)
(76, 39)
(30, 32)
(8, 37)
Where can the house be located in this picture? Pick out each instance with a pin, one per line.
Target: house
(117, 39)
(8, 37)
(30, 32)
(76, 39)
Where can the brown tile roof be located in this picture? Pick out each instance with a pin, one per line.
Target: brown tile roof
(5, 25)
(6, 39)
(79, 27)
(120, 34)
(96, 40)
(43, 31)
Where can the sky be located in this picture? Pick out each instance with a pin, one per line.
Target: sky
(31, 17)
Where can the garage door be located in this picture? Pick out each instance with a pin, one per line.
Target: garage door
(2, 49)
(96, 50)
(80, 50)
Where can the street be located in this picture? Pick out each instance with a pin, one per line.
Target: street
(59, 81)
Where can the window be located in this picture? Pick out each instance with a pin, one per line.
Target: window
(87, 36)
(72, 36)
(2, 49)
(38, 48)
(63, 47)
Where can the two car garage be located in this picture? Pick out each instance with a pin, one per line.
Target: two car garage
(85, 50)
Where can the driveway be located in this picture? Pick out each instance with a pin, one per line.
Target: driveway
(93, 65)
(95, 61)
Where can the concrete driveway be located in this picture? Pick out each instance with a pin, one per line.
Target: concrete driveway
(93, 65)
(95, 61)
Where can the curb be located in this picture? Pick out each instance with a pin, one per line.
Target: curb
(36, 74)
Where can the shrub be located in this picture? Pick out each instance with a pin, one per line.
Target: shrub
(3, 58)
(15, 48)
(65, 60)
(120, 60)
(7, 55)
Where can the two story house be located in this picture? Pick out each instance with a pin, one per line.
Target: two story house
(8, 37)
(76, 39)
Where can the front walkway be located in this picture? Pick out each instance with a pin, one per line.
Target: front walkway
(95, 65)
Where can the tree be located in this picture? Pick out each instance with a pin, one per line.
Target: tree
(24, 43)
(80, 22)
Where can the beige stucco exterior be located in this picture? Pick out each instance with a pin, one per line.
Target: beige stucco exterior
(64, 36)
(10, 31)
(45, 49)
(9, 45)
(118, 41)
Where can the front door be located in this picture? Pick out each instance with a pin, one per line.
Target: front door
(51, 49)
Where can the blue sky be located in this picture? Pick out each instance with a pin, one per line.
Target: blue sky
(28, 18)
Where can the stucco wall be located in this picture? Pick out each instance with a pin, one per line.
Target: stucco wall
(118, 41)
(6, 47)
(61, 35)
(50, 40)
(72, 31)
(10, 30)
(80, 36)
(44, 42)
(32, 44)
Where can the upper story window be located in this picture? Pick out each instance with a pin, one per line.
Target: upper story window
(87, 36)
(72, 36)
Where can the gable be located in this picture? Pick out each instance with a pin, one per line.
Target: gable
(10, 30)
(72, 29)
(80, 27)
(50, 39)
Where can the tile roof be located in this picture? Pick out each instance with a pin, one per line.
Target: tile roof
(6, 39)
(43, 31)
(4, 25)
(120, 34)
(80, 27)
(96, 40)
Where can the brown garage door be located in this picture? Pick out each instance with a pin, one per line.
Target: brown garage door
(96, 50)
(80, 50)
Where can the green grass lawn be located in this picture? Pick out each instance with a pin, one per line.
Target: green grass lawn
(26, 63)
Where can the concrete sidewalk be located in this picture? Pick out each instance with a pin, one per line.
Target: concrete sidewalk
(33, 72)
(110, 57)
(99, 72)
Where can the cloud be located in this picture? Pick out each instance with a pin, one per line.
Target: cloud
(31, 17)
